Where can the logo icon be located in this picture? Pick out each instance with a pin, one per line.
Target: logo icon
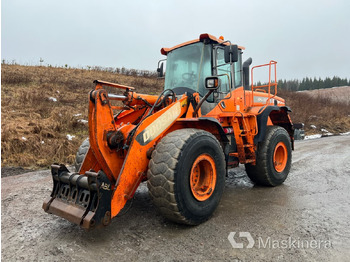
(241, 235)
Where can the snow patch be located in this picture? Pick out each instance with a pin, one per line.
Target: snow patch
(77, 115)
(313, 126)
(334, 87)
(345, 134)
(70, 137)
(52, 99)
(313, 136)
(83, 121)
(325, 132)
(24, 138)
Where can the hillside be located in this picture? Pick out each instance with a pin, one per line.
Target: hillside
(321, 109)
(44, 111)
(339, 94)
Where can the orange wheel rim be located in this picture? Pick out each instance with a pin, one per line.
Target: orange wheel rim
(203, 177)
(280, 157)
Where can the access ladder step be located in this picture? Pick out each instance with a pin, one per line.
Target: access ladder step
(233, 154)
(245, 161)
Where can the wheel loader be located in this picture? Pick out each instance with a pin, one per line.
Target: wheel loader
(209, 118)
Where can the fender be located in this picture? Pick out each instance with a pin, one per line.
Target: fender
(210, 124)
(218, 126)
(279, 116)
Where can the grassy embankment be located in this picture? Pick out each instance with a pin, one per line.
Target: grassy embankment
(324, 109)
(34, 127)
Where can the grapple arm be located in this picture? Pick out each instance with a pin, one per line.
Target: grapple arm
(83, 200)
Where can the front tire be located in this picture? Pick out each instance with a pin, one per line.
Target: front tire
(273, 158)
(82, 151)
(186, 176)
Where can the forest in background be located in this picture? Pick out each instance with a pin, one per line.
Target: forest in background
(308, 83)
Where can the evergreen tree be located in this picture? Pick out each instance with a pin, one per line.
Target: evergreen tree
(308, 83)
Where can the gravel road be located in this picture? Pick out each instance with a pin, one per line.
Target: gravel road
(305, 219)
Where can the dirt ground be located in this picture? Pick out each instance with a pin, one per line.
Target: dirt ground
(309, 212)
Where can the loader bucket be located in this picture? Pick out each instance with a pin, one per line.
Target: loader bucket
(81, 199)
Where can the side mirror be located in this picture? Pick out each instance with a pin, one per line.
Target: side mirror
(212, 83)
(160, 70)
(231, 53)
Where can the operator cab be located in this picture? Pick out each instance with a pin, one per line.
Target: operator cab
(189, 64)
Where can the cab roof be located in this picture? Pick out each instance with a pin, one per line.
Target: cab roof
(202, 37)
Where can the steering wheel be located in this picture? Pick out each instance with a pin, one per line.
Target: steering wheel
(169, 93)
(188, 76)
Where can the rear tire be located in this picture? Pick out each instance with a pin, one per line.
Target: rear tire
(82, 151)
(186, 176)
(273, 158)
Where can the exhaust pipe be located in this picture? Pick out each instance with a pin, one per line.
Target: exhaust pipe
(246, 65)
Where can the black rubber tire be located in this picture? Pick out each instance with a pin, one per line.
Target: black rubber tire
(264, 172)
(82, 151)
(169, 175)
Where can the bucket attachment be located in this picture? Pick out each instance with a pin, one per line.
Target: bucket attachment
(82, 199)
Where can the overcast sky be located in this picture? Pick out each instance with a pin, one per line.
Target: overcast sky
(306, 37)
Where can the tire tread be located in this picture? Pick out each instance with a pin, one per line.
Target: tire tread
(161, 172)
(82, 151)
(259, 173)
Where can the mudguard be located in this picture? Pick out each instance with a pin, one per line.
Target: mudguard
(279, 116)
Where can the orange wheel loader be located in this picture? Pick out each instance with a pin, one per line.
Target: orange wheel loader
(209, 118)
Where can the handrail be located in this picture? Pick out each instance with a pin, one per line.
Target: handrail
(270, 84)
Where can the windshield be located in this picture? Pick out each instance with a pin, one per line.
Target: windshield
(188, 66)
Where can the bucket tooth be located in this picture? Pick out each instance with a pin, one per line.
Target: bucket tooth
(81, 199)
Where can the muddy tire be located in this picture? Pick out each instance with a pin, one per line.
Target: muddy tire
(273, 158)
(82, 151)
(186, 176)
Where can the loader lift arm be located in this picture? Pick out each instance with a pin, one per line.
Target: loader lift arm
(117, 152)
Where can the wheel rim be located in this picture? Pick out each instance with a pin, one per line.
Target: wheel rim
(203, 177)
(280, 157)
